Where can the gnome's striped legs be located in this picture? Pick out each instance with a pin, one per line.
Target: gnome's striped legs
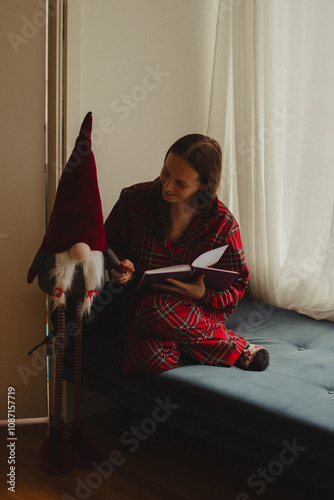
(83, 448)
(77, 362)
(55, 455)
(59, 367)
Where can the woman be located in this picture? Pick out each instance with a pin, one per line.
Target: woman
(171, 221)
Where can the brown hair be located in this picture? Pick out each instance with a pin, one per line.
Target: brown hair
(204, 155)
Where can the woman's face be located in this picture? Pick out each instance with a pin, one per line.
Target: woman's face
(179, 180)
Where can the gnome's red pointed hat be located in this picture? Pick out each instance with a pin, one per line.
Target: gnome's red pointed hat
(77, 211)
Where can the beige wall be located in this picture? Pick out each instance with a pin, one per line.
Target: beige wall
(137, 111)
(22, 219)
(144, 68)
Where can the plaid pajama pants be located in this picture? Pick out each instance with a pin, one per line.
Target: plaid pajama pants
(168, 329)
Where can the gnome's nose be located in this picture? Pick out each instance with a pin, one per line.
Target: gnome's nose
(79, 252)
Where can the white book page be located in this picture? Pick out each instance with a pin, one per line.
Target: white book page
(181, 267)
(209, 258)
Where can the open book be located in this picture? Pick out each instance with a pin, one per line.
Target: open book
(218, 279)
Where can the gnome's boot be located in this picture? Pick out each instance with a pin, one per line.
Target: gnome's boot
(83, 448)
(55, 454)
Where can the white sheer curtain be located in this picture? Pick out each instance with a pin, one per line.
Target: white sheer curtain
(272, 110)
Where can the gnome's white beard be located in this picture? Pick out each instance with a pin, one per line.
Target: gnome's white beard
(64, 272)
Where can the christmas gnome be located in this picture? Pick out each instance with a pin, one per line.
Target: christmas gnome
(71, 262)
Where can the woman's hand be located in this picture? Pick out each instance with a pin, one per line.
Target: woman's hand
(121, 278)
(193, 290)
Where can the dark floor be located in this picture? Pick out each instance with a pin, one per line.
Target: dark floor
(163, 464)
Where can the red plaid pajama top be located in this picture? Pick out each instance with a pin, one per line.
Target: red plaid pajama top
(162, 330)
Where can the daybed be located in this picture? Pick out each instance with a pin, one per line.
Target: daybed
(282, 417)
